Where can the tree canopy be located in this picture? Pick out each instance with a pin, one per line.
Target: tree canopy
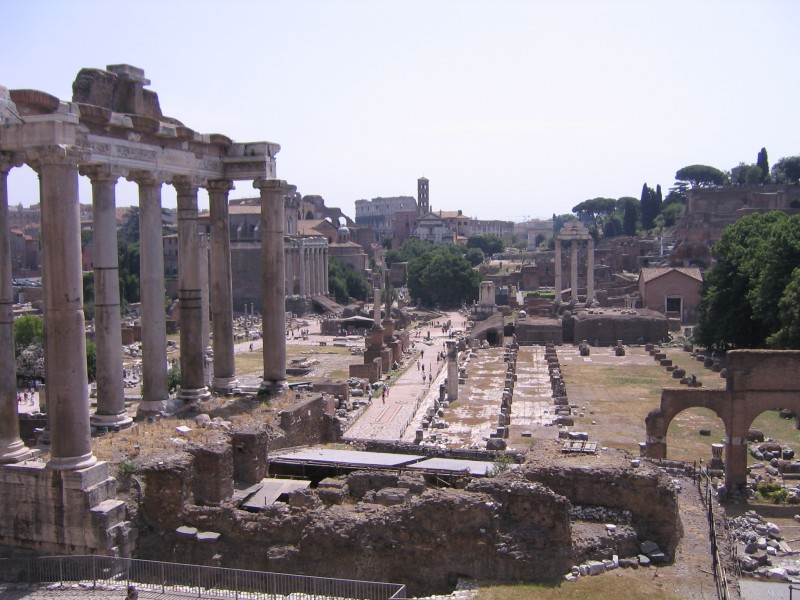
(344, 282)
(750, 297)
(595, 208)
(701, 176)
(444, 277)
(28, 329)
(489, 243)
(787, 170)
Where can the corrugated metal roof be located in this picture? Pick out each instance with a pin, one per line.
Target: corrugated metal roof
(353, 458)
(271, 490)
(453, 465)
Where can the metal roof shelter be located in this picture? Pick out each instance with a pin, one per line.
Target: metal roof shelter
(270, 490)
(454, 466)
(346, 458)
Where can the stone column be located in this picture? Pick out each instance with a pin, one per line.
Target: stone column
(314, 272)
(325, 271)
(64, 327)
(155, 391)
(452, 371)
(557, 267)
(273, 295)
(222, 288)
(11, 447)
(111, 411)
(317, 271)
(376, 307)
(193, 387)
(590, 271)
(573, 269)
(302, 261)
(205, 325)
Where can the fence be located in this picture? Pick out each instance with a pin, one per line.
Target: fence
(196, 580)
(720, 574)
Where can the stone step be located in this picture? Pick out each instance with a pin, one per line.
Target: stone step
(109, 513)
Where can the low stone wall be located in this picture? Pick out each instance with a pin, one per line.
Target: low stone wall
(648, 495)
(310, 422)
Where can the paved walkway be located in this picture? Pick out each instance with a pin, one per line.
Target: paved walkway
(409, 394)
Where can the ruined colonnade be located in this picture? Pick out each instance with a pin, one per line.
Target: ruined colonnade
(574, 233)
(61, 140)
(307, 266)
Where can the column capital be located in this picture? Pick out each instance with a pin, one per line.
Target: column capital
(101, 172)
(222, 186)
(186, 185)
(270, 184)
(148, 177)
(53, 155)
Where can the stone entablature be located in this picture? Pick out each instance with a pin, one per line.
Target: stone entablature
(122, 133)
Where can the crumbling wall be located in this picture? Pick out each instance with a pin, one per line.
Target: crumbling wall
(309, 422)
(213, 472)
(649, 495)
(249, 451)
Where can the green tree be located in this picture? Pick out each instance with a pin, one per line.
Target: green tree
(787, 170)
(756, 261)
(488, 243)
(650, 204)
(560, 220)
(91, 360)
(129, 228)
(743, 174)
(592, 210)
(28, 329)
(763, 163)
(443, 277)
(630, 215)
(30, 363)
(386, 242)
(701, 176)
(344, 282)
(475, 256)
(612, 227)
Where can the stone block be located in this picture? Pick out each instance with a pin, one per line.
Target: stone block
(84, 478)
(391, 496)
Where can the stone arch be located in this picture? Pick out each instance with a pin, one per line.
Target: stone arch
(757, 381)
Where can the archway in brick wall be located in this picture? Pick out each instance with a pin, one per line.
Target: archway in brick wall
(756, 381)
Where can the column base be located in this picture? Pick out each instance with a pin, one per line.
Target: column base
(225, 385)
(193, 395)
(272, 387)
(14, 452)
(150, 408)
(72, 463)
(122, 420)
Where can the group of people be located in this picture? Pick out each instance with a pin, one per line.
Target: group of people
(27, 397)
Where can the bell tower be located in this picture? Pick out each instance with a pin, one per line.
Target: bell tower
(423, 205)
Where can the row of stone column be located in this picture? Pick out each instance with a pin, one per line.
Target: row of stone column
(574, 270)
(65, 346)
(309, 266)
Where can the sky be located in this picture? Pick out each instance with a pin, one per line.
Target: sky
(512, 109)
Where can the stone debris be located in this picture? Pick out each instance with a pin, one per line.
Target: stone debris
(760, 543)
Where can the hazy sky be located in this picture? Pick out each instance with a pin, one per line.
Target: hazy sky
(510, 108)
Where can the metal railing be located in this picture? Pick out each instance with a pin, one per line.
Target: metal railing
(720, 574)
(196, 580)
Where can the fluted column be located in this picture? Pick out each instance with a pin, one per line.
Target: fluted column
(111, 411)
(155, 390)
(64, 327)
(318, 263)
(273, 294)
(314, 282)
(193, 386)
(557, 266)
(11, 447)
(573, 269)
(221, 288)
(590, 271)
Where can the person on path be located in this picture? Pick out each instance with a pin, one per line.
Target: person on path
(383, 395)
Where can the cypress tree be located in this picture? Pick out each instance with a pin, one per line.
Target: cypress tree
(763, 163)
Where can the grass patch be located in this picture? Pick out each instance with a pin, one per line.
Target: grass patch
(620, 585)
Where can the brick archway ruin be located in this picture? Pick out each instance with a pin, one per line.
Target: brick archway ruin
(757, 381)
